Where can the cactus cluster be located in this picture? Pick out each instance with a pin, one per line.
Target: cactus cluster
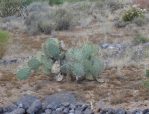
(85, 62)
(80, 63)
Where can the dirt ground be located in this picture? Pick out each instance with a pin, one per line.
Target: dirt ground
(122, 88)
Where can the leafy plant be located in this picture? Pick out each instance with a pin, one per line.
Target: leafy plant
(132, 13)
(4, 37)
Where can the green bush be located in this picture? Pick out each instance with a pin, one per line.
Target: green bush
(80, 63)
(4, 37)
(132, 13)
(55, 2)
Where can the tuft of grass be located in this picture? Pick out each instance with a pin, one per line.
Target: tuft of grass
(139, 39)
(4, 37)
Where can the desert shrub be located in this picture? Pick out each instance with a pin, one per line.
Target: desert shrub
(140, 39)
(4, 36)
(10, 7)
(43, 19)
(139, 21)
(147, 73)
(63, 19)
(132, 13)
(80, 63)
(38, 18)
(55, 2)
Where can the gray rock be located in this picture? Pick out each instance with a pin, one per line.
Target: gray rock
(9, 108)
(78, 112)
(137, 112)
(71, 111)
(59, 98)
(48, 111)
(17, 111)
(120, 111)
(35, 107)
(107, 111)
(88, 111)
(66, 110)
(1, 110)
(146, 111)
(26, 101)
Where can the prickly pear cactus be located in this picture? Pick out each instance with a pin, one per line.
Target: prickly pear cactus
(23, 73)
(97, 67)
(34, 63)
(90, 50)
(52, 48)
(47, 65)
(78, 70)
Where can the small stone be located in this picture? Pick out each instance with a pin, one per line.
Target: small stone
(137, 112)
(71, 111)
(78, 112)
(120, 111)
(9, 108)
(26, 101)
(35, 107)
(1, 110)
(146, 111)
(17, 111)
(108, 111)
(72, 106)
(88, 111)
(48, 111)
(59, 109)
(66, 110)
(66, 104)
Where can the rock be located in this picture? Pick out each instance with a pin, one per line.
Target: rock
(107, 111)
(88, 111)
(100, 105)
(10, 108)
(48, 111)
(17, 111)
(66, 111)
(59, 77)
(26, 101)
(137, 112)
(78, 112)
(35, 107)
(56, 68)
(65, 104)
(59, 98)
(120, 111)
(146, 111)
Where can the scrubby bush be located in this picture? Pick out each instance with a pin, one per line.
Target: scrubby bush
(4, 37)
(43, 19)
(139, 39)
(63, 19)
(79, 63)
(10, 7)
(132, 13)
(55, 2)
